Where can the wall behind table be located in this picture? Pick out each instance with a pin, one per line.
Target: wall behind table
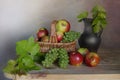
(111, 34)
(20, 19)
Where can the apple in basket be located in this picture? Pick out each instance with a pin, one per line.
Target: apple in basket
(62, 26)
(42, 32)
(45, 39)
(59, 36)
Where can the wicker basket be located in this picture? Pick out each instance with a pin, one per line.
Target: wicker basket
(45, 46)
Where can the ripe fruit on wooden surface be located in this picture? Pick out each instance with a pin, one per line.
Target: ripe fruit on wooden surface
(92, 59)
(75, 58)
(83, 51)
(63, 26)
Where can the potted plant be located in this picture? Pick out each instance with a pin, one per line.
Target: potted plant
(91, 37)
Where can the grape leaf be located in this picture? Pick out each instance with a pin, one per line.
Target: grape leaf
(102, 15)
(104, 23)
(20, 47)
(25, 47)
(26, 51)
(82, 15)
(10, 66)
(27, 63)
(98, 8)
(96, 28)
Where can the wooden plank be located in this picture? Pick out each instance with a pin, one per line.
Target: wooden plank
(108, 69)
(68, 77)
(109, 64)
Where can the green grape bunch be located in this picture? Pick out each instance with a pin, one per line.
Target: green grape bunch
(63, 58)
(70, 36)
(54, 54)
(50, 57)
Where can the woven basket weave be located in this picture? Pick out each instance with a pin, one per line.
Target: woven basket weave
(46, 46)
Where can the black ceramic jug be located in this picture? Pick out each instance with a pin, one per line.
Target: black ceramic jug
(88, 38)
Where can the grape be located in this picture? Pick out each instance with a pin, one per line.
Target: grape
(63, 58)
(54, 54)
(50, 57)
(70, 36)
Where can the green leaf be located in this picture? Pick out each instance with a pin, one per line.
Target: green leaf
(96, 28)
(30, 43)
(29, 46)
(26, 51)
(98, 8)
(39, 57)
(104, 23)
(99, 19)
(35, 49)
(31, 40)
(26, 63)
(98, 11)
(82, 15)
(10, 66)
(21, 47)
(101, 9)
(96, 21)
(102, 15)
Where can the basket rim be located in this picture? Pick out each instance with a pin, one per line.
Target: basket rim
(58, 43)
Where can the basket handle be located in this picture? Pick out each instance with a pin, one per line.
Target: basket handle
(53, 35)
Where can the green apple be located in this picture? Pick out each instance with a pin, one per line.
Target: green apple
(83, 51)
(62, 26)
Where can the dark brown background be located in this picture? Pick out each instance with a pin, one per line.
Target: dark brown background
(111, 35)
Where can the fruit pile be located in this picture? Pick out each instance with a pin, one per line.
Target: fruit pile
(28, 52)
(91, 59)
(62, 31)
(64, 34)
(75, 58)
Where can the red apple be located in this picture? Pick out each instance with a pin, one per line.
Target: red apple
(45, 39)
(75, 58)
(63, 26)
(83, 51)
(59, 36)
(42, 32)
(92, 59)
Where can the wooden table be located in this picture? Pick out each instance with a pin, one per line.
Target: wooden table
(108, 69)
